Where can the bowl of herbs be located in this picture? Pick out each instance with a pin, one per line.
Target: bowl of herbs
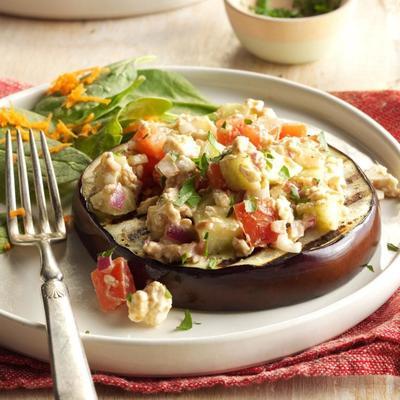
(288, 31)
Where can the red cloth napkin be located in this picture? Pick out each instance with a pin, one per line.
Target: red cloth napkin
(370, 348)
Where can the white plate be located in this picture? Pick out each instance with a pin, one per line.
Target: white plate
(88, 9)
(223, 341)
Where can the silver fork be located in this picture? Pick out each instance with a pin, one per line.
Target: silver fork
(70, 370)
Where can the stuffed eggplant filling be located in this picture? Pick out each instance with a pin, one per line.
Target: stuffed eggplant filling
(205, 191)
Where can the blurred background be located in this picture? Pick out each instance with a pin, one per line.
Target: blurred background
(367, 54)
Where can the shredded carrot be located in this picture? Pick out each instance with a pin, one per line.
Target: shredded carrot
(89, 129)
(9, 116)
(58, 148)
(78, 96)
(66, 83)
(63, 133)
(19, 212)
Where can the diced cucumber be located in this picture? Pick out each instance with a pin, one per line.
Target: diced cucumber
(221, 232)
(240, 173)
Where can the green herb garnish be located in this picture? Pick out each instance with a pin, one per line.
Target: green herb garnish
(223, 126)
(186, 323)
(202, 164)
(184, 258)
(300, 8)
(248, 121)
(250, 204)
(174, 155)
(129, 297)
(168, 294)
(392, 247)
(212, 140)
(368, 266)
(206, 244)
(284, 172)
(232, 201)
(212, 263)
(107, 253)
(187, 194)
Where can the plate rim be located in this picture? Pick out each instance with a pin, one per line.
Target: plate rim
(265, 330)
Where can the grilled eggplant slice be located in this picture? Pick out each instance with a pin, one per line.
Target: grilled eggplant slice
(268, 278)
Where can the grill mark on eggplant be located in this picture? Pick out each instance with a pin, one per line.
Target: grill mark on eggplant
(352, 178)
(355, 197)
(139, 234)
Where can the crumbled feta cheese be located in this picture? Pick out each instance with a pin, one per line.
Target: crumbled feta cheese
(383, 180)
(182, 144)
(284, 208)
(150, 305)
(196, 126)
(287, 245)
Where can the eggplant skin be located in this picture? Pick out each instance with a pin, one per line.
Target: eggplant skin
(285, 281)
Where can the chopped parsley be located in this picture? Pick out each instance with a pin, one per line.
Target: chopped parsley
(248, 121)
(232, 202)
(392, 247)
(188, 195)
(269, 155)
(369, 267)
(202, 164)
(184, 258)
(212, 140)
(284, 172)
(206, 244)
(250, 204)
(186, 323)
(223, 126)
(107, 253)
(87, 332)
(212, 263)
(174, 156)
(268, 164)
(168, 294)
(295, 195)
(300, 8)
(129, 297)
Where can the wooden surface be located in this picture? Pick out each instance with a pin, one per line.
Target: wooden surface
(367, 57)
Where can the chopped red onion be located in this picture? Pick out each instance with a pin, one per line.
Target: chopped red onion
(103, 262)
(180, 235)
(117, 199)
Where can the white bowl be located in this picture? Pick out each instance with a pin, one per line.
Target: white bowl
(287, 40)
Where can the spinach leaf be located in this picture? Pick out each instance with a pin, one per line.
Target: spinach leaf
(176, 88)
(109, 136)
(68, 163)
(116, 83)
(145, 107)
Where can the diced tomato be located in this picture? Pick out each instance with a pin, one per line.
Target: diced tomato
(239, 128)
(150, 141)
(257, 224)
(148, 172)
(293, 129)
(253, 134)
(215, 177)
(113, 284)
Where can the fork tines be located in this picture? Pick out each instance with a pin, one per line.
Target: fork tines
(43, 229)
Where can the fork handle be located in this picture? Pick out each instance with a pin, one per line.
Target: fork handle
(71, 375)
